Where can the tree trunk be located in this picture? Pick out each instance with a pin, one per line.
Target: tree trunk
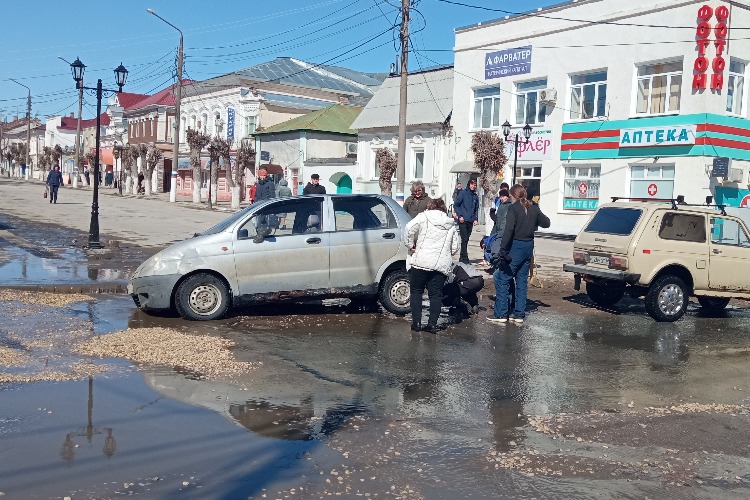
(147, 180)
(128, 180)
(196, 181)
(236, 196)
(215, 182)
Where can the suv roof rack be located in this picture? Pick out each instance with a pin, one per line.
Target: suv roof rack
(676, 202)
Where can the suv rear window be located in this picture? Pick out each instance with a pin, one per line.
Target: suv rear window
(612, 220)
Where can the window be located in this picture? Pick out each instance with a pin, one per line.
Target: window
(286, 218)
(659, 87)
(735, 87)
(170, 128)
(581, 191)
(652, 181)
(251, 122)
(418, 171)
(588, 96)
(528, 107)
(683, 227)
(530, 178)
(487, 108)
(357, 214)
(612, 220)
(725, 231)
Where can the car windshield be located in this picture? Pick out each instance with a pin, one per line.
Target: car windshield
(221, 226)
(612, 220)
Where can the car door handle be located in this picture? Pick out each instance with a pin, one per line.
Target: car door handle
(313, 241)
(389, 236)
(715, 250)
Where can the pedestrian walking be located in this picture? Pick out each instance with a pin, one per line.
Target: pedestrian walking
(54, 181)
(86, 175)
(456, 191)
(417, 202)
(265, 188)
(516, 251)
(283, 190)
(108, 178)
(432, 241)
(314, 186)
(466, 211)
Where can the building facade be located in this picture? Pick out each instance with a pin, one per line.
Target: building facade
(639, 99)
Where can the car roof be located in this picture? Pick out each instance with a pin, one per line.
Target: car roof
(650, 206)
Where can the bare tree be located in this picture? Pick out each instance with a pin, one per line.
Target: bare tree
(44, 161)
(134, 153)
(245, 160)
(197, 141)
(19, 153)
(56, 155)
(143, 155)
(8, 155)
(154, 157)
(386, 160)
(218, 149)
(127, 168)
(489, 158)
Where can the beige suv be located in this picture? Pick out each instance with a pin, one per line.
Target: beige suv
(664, 251)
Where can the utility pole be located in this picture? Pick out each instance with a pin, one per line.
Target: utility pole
(401, 165)
(28, 126)
(78, 130)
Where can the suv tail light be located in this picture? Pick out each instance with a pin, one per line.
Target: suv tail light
(580, 257)
(618, 263)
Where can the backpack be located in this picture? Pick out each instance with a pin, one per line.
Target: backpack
(488, 241)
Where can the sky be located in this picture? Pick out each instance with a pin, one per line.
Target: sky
(219, 37)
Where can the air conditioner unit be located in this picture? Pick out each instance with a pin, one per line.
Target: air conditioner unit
(735, 175)
(351, 148)
(548, 95)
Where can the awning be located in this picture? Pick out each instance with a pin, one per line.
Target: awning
(464, 167)
(272, 168)
(106, 157)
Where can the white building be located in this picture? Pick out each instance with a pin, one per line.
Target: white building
(430, 148)
(624, 99)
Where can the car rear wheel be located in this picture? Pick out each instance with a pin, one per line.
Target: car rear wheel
(605, 295)
(394, 294)
(202, 297)
(713, 303)
(667, 298)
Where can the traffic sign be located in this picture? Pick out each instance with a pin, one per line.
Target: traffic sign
(745, 203)
(652, 189)
(583, 188)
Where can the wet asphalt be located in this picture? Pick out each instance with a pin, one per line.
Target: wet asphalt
(352, 402)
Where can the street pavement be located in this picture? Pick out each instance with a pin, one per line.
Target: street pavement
(155, 222)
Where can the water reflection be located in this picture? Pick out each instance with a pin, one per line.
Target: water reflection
(89, 431)
(24, 267)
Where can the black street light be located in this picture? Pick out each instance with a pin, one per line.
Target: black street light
(121, 74)
(526, 134)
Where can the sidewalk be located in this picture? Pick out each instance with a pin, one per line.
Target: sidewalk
(154, 222)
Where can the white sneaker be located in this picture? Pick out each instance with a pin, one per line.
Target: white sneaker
(493, 319)
(518, 321)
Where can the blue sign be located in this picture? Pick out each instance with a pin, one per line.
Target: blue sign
(230, 124)
(507, 62)
(265, 156)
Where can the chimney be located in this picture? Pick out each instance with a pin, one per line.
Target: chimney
(72, 115)
(15, 118)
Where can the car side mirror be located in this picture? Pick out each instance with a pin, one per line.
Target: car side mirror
(243, 234)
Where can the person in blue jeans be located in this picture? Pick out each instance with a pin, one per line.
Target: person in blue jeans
(54, 181)
(516, 250)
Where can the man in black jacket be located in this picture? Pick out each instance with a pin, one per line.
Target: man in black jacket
(54, 181)
(314, 187)
(265, 189)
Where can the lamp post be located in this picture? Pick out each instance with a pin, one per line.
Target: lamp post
(121, 74)
(526, 134)
(176, 132)
(28, 126)
(78, 129)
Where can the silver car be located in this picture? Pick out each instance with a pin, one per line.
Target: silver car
(283, 249)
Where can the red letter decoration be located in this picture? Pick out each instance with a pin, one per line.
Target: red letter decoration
(702, 33)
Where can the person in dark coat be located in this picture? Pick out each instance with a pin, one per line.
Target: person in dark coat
(417, 202)
(462, 285)
(314, 187)
(466, 211)
(265, 189)
(54, 181)
(456, 191)
(283, 189)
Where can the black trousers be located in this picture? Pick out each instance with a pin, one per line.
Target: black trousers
(433, 281)
(53, 193)
(464, 229)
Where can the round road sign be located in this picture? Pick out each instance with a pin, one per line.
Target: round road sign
(745, 203)
(583, 188)
(652, 189)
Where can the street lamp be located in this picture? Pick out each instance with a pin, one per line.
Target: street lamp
(526, 134)
(121, 74)
(177, 98)
(28, 126)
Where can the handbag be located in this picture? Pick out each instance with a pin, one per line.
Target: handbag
(45, 193)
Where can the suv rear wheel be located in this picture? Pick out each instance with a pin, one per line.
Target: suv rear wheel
(713, 303)
(667, 298)
(605, 295)
(394, 294)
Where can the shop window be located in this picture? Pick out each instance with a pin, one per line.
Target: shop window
(652, 181)
(581, 191)
(531, 178)
(658, 88)
(588, 95)
(486, 108)
(736, 87)
(418, 171)
(251, 122)
(529, 109)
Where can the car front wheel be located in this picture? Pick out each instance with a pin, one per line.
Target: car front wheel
(202, 297)
(713, 303)
(667, 298)
(394, 294)
(605, 295)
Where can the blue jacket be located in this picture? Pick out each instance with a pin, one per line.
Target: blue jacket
(265, 189)
(467, 205)
(54, 178)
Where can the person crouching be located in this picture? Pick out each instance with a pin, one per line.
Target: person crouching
(432, 239)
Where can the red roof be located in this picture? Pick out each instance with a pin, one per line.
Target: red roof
(162, 98)
(128, 100)
(68, 123)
